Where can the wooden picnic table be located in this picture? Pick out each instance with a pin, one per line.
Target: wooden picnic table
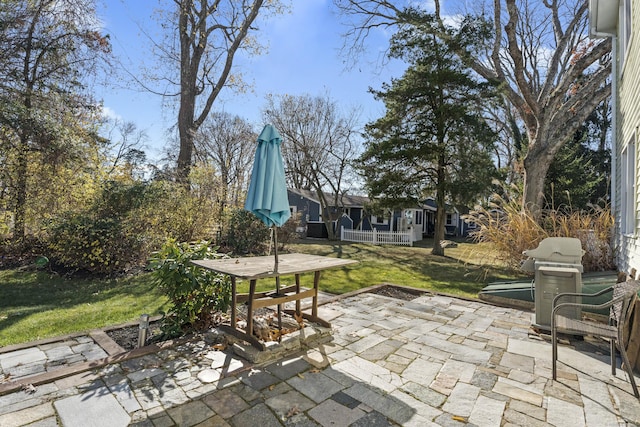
(262, 267)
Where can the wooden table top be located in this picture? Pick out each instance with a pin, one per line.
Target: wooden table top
(263, 266)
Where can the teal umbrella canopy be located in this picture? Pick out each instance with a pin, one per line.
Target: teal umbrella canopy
(267, 197)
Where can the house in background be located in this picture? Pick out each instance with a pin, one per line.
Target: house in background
(454, 226)
(620, 20)
(352, 214)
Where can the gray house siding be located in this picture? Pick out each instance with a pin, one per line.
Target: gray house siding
(309, 209)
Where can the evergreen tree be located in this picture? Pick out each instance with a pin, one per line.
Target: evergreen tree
(581, 171)
(549, 70)
(432, 138)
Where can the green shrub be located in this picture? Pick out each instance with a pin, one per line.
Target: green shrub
(125, 222)
(183, 215)
(96, 245)
(195, 294)
(113, 235)
(245, 234)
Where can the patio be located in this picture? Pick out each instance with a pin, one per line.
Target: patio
(434, 360)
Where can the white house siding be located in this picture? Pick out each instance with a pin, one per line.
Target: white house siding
(627, 244)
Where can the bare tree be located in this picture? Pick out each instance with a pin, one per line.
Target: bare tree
(124, 148)
(502, 118)
(227, 142)
(319, 143)
(551, 72)
(206, 37)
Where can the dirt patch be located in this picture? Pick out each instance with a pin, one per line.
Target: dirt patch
(395, 292)
(264, 326)
(127, 337)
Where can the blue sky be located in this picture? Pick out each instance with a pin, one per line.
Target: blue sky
(302, 58)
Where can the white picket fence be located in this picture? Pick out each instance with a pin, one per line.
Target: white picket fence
(377, 237)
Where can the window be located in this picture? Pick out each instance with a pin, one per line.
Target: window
(449, 219)
(418, 217)
(628, 188)
(408, 215)
(379, 220)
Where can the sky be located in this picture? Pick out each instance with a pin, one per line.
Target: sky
(303, 58)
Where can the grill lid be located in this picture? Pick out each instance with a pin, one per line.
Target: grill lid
(558, 249)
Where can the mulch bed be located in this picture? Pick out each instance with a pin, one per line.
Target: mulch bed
(127, 337)
(394, 292)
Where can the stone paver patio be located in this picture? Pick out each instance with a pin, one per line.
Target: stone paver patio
(435, 360)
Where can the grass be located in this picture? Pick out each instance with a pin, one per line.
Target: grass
(36, 305)
(463, 271)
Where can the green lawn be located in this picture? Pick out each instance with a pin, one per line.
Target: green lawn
(36, 305)
(463, 271)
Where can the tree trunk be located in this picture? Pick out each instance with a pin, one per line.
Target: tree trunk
(186, 131)
(185, 155)
(535, 173)
(441, 210)
(326, 215)
(20, 209)
(438, 232)
(189, 63)
(541, 152)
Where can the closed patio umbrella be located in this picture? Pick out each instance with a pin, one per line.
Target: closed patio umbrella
(267, 196)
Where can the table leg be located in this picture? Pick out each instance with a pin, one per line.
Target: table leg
(316, 282)
(252, 291)
(297, 292)
(279, 310)
(234, 302)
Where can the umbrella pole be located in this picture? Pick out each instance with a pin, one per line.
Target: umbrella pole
(275, 269)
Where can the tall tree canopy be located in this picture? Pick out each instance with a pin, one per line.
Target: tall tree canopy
(319, 143)
(227, 143)
(539, 51)
(48, 49)
(432, 138)
(206, 36)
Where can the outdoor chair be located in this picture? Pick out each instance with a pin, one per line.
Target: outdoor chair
(620, 308)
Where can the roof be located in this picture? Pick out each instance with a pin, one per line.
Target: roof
(430, 203)
(346, 200)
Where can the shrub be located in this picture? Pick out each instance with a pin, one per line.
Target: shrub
(245, 234)
(195, 294)
(96, 245)
(288, 232)
(124, 224)
(113, 235)
(25, 253)
(511, 231)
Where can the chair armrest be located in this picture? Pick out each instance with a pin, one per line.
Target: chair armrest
(589, 306)
(578, 294)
